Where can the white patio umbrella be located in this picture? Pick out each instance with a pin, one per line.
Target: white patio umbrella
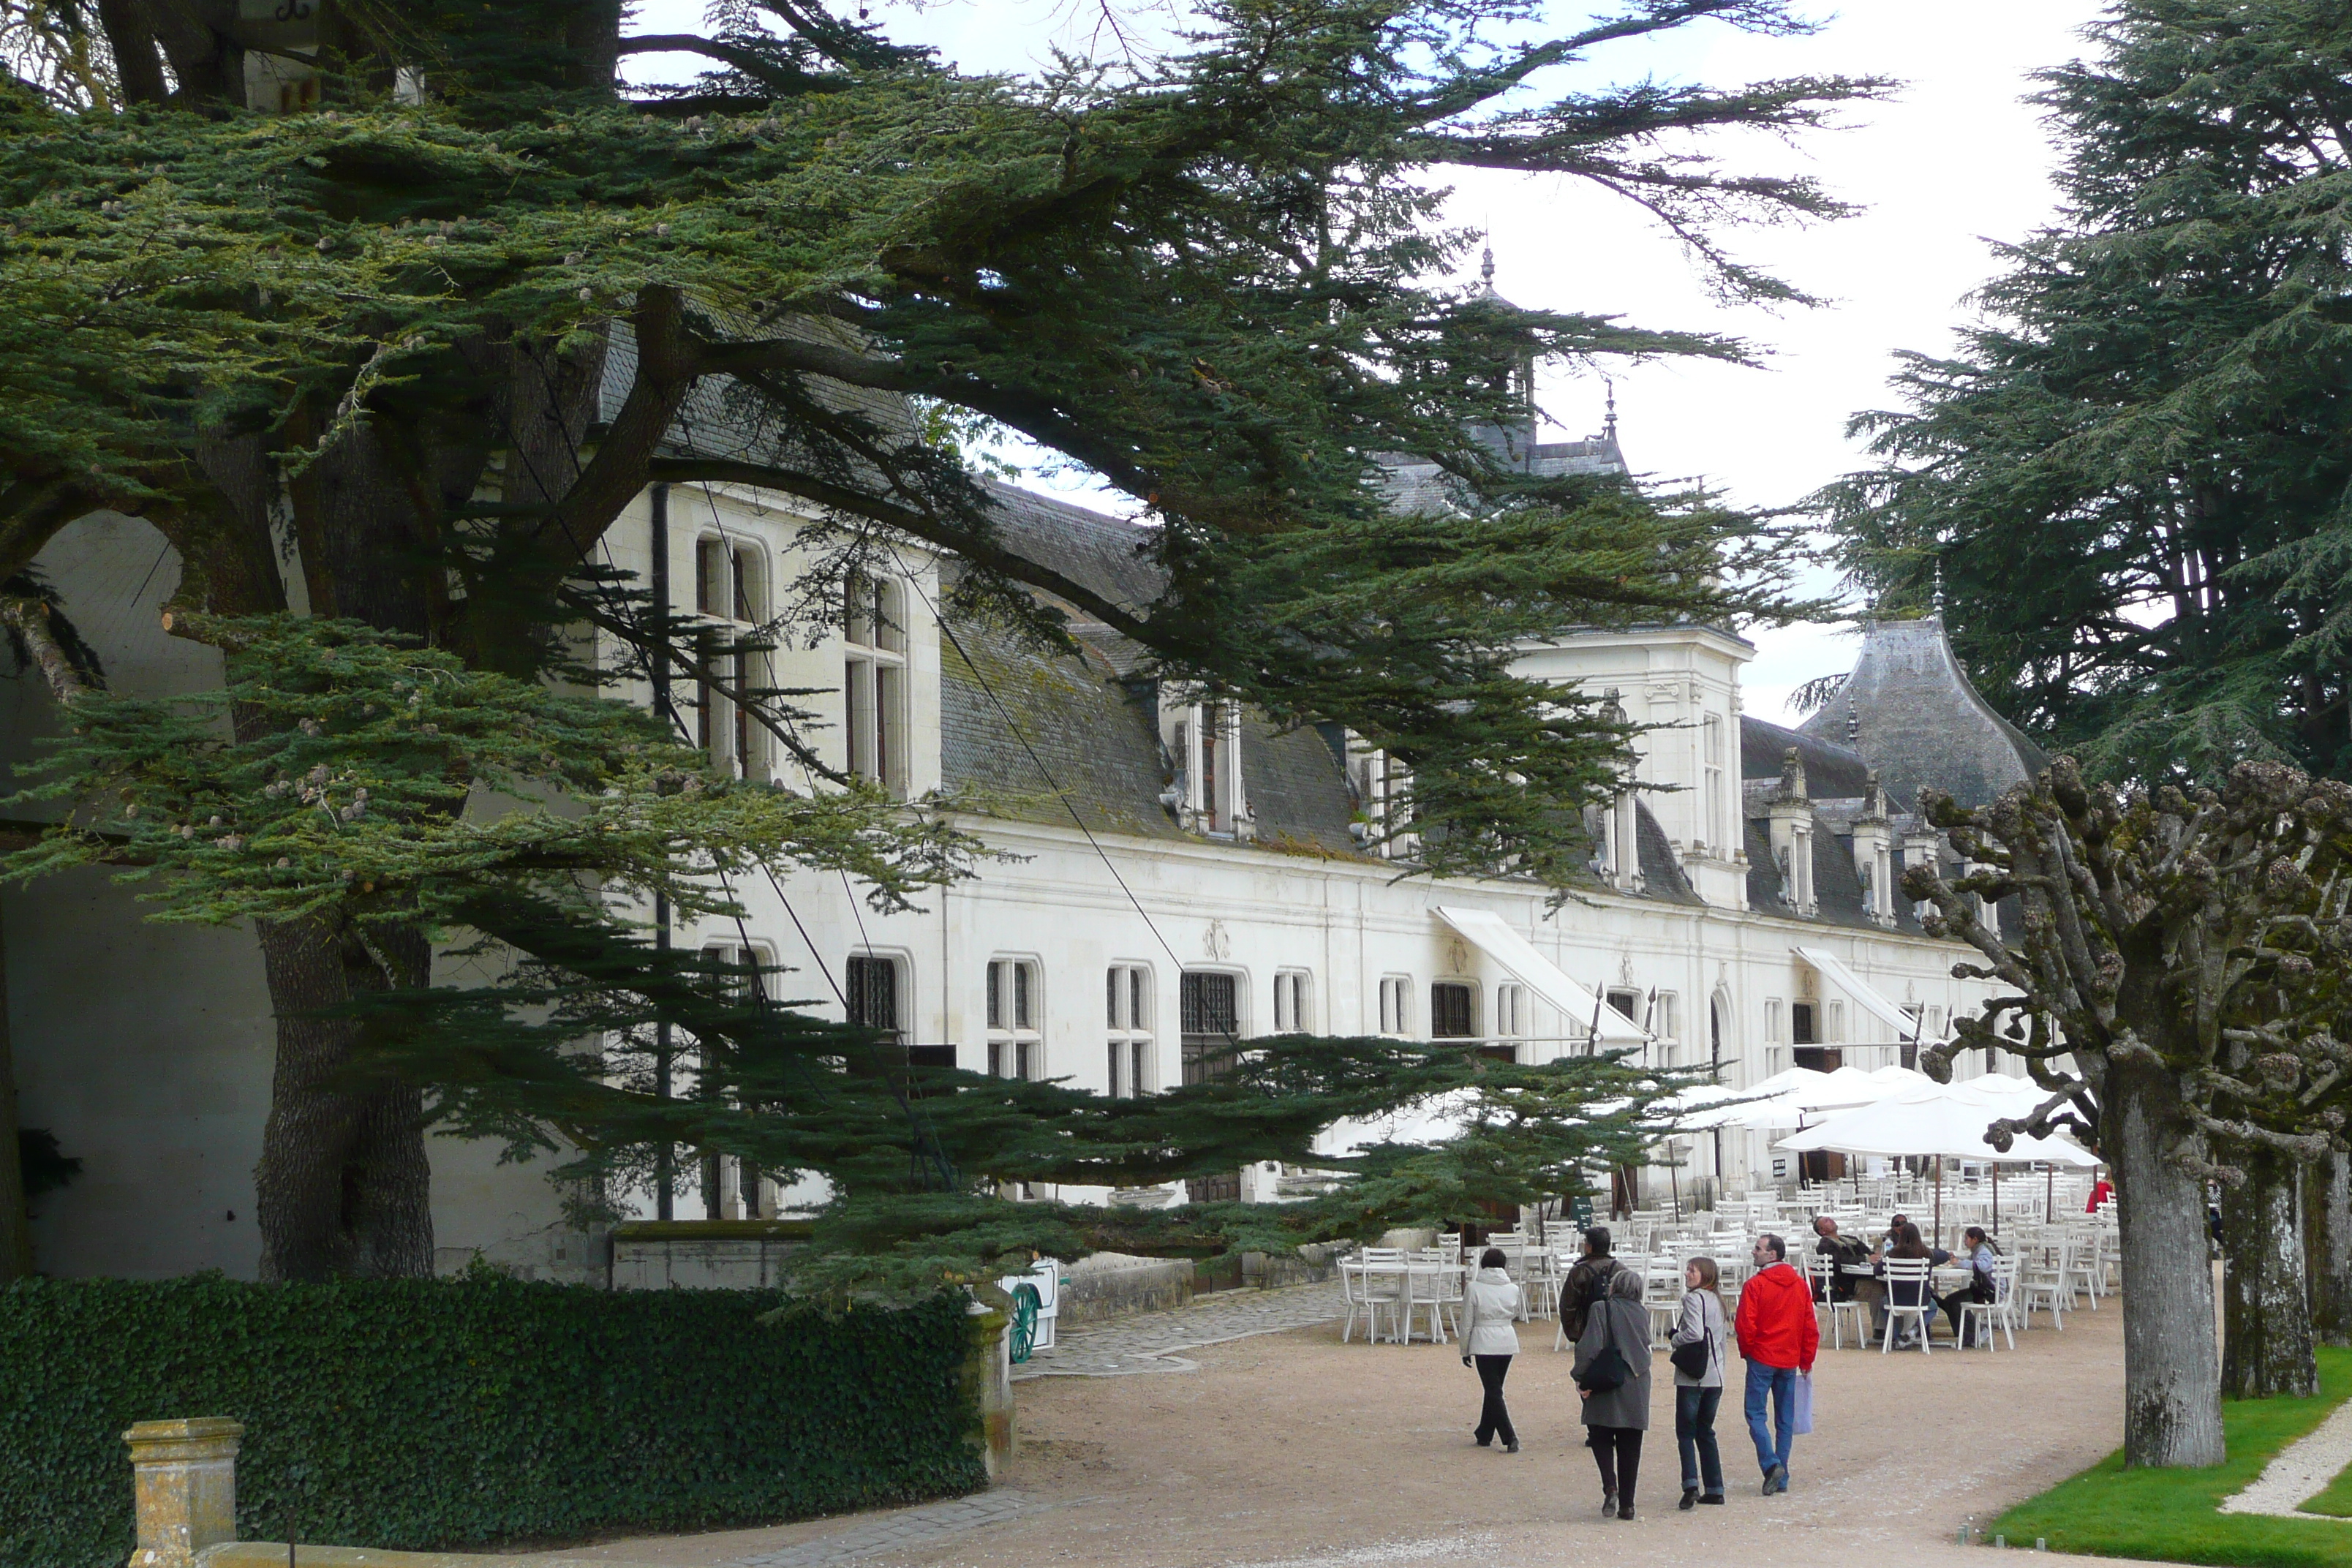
(1939, 1120)
(1784, 1100)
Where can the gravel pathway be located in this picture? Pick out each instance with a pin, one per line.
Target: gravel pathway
(1149, 1342)
(2301, 1471)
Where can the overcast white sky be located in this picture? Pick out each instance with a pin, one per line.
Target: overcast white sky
(1955, 160)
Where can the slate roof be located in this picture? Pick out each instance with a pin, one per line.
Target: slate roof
(1829, 769)
(1098, 743)
(1660, 869)
(717, 419)
(1104, 554)
(1909, 708)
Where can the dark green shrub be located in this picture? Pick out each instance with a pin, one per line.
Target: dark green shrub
(447, 1414)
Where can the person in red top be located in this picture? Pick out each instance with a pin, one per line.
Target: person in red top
(1779, 1338)
(2101, 1191)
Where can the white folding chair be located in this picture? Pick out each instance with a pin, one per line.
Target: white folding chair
(1917, 1272)
(1539, 1291)
(1424, 1289)
(1821, 1274)
(2085, 1271)
(1379, 1291)
(2041, 1282)
(1983, 1317)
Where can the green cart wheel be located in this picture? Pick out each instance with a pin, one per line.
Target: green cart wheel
(1026, 1305)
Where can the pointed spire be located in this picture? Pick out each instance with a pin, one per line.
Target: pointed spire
(1487, 264)
(1853, 724)
(1609, 420)
(1939, 585)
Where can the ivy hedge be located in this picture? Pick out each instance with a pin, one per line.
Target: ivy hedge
(453, 1413)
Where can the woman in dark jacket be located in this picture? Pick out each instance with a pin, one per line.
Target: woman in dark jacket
(1910, 1245)
(1616, 1415)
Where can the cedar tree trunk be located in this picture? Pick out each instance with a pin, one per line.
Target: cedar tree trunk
(2266, 1346)
(2172, 1373)
(343, 1187)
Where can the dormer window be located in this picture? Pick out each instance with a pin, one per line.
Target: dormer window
(1206, 744)
(731, 593)
(1384, 791)
(874, 679)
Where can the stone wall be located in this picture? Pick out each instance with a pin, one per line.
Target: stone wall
(1104, 1285)
(704, 1254)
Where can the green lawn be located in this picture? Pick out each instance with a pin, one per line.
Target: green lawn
(2172, 1515)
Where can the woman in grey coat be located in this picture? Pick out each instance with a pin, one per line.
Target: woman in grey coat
(1615, 1416)
(1697, 1397)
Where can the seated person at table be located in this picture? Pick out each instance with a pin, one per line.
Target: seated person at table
(1910, 1244)
(1977, 1251)
(1888, 1243)
(1844, 1251)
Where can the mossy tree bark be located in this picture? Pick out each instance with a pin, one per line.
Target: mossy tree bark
(2328, 1247)
(2266, 1338)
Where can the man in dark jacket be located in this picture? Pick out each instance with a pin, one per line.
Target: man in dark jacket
(1586, 1283)
(1843, 1250)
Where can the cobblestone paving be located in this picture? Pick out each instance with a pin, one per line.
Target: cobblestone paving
(1148, 1344)
(902, 1529)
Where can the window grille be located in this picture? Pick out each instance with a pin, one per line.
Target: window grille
(871, 987)
(1453, 1008)
(1209, 1019)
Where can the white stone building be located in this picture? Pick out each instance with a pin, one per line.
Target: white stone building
(1188, 873)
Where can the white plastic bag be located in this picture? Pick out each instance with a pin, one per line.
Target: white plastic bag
(1803, 1406)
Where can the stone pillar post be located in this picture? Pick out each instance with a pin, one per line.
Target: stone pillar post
(184, 1486)
(988, 1372)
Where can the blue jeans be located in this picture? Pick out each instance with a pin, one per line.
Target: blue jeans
(1772, 1443)
(1694, 1436)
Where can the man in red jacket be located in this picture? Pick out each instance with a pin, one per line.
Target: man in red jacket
(1779, 1338)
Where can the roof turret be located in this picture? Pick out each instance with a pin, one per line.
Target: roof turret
(1909, 707)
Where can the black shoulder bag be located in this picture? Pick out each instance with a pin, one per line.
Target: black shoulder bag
(1692, 1360)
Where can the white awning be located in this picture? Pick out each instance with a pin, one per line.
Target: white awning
(1833, 969)
(1515, 953)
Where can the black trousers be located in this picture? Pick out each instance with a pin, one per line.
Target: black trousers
(1618, 1451)
(1494, 1417)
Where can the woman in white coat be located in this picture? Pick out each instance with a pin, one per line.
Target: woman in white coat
(1490, 1338)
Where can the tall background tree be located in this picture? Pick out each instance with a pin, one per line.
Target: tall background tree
(366, 320)
(2131, 480)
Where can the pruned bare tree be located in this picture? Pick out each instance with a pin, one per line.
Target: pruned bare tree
(2176, 983)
